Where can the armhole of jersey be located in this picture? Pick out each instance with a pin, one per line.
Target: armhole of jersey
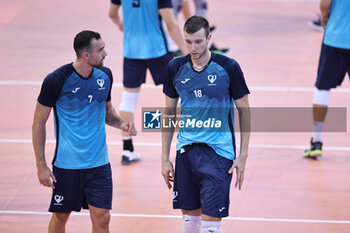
(171, 72)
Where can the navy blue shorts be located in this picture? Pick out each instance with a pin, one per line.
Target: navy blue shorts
(333, 65)
(202, 181)
(135, 70)
(79, 188)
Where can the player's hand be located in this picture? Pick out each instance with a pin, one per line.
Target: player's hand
(239, 165)
(46, 177)
(168, 173)
(130, 128)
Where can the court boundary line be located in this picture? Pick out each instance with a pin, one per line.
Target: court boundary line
(151, 86)
(158, 144)
(10, 212)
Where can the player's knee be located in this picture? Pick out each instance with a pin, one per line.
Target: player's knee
(196, 212)
(321, 97)
(101, 220)
(129, 101)
(60, 218)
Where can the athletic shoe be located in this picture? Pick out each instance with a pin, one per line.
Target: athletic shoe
(217, 50)
(316, 25)
(314, 151)
(129, 157)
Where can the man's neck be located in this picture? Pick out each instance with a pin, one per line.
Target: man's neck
(201, 62)
(82, 68)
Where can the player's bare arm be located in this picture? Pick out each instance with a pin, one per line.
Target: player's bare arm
(112, 119)
(239, 163)
(173, 28)
(44, 173)
(325, 6)
(114, 16)
(167, 136)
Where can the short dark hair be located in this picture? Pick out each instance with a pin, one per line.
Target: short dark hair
(82, 41)
(196, 23)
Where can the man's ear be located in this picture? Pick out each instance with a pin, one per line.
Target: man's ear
(209, 37)
(86, 55)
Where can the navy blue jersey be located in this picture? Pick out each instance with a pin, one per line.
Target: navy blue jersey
(144, 34)
(207, 94)
(79, 114)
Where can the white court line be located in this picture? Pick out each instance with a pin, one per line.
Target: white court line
(8, 212)
(151, 86)
(158, 144)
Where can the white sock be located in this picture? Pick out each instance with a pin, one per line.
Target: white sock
(318, 128)
(191, 224)
(211, 226)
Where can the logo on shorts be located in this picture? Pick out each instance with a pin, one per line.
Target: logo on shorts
(222, 209)
(151, 119)
(101, 82)
(175, 194)
(58, 199)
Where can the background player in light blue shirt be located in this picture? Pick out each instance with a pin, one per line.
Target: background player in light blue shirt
(208, 85)
(333, 65)
(145, 46)
(80, 95)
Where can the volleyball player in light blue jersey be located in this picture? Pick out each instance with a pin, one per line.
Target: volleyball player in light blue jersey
(337, 32)
(208, 85)
(334, 63)
(145, 46)
(139, 19)
(80, 95)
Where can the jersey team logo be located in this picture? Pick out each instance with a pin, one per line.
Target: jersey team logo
(101, 82)
(151, 119)
(212, 78)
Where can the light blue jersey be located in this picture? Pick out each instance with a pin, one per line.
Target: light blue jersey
(79, 113)
(144, 34)
(337, 32)
(207, 97)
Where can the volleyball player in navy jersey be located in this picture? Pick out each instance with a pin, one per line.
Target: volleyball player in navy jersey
(208, 85)
(80, 95)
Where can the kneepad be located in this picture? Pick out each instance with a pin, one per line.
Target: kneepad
(129, 101)
(321, 97)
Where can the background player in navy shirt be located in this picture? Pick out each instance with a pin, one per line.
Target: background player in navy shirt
(145, 46)
(80, 94)
(208, 85)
